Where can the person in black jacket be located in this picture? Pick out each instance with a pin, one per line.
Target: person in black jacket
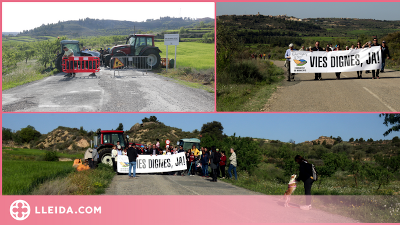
(375, 43)
(132, 155)
(385, 54)
(214, 161)
(317, 48)
(306, 175)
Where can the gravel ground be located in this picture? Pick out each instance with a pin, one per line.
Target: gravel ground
(348, 94)
(127, 91)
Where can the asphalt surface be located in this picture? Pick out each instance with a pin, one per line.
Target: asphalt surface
(127, 91)
(348, 94)
(238, 205)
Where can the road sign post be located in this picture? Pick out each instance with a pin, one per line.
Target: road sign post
(171, 39)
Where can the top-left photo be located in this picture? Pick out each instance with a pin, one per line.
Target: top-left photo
(108, 57)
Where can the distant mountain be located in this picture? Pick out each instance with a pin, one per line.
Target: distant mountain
(9, 33)
(96, 27)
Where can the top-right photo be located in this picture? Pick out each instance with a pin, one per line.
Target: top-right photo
(308, 57)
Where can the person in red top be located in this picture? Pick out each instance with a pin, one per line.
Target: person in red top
(192, 165)
(222, 164)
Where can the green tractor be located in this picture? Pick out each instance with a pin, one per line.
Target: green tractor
(74, 45)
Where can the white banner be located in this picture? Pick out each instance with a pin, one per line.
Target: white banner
(153, 164)
(336, 61)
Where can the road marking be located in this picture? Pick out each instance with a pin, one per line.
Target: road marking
(183, 186)
(390, 108)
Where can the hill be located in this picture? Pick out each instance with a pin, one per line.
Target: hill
(263, 29)
(96, 27)
(148, 132)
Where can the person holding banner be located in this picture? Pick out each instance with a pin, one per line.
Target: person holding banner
(375, 43)
(114, 155)
(338, 73)
(132, 155)
(288, 57)
(359, 73)
(317, 48)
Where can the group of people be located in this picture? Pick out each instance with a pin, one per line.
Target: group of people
(91, 157)
(329, 47)
(260, 55)
(196, 160)
(213, 158)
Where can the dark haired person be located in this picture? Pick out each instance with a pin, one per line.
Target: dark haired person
(132, 155)
(222, 164)
(214, 161)
(385, 54)
(359, 73)
(305, 175)
(337, 73)
(375, 73)
(317, 48)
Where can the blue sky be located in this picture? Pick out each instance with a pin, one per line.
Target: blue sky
(363, 10)
(299, 127)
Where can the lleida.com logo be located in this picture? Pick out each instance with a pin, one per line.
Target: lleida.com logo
(300, 62)
(20, 210)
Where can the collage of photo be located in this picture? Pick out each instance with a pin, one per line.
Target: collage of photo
(247, 112)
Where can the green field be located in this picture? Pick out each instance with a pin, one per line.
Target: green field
(25, 172)
(20, 177)
(25, 39)
(190, 54)
(33, 154)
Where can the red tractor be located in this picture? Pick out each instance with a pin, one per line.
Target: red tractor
(105, 140)
(137, 45)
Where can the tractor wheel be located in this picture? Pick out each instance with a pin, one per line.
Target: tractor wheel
(116, 54)
(59, 63)
(107, 60)
(154, 59)
(105, 156)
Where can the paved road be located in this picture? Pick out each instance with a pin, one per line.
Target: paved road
(238, 205)
(128, 91)
(348, 94)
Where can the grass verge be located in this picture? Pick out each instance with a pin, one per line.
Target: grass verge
(88, 182)
(246, 86)
(24, 73)
(194, 78)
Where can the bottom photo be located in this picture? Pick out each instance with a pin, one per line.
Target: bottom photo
(235, 167)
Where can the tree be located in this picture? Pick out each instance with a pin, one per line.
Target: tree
(351, 139)
(7, 134)
(120, 127)
(145, 120)
(214, 128)
(392, 119)
(28, 134)
(153, 119)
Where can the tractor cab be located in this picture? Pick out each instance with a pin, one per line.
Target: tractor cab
(105, 140)
(187, 143)
(139, 41)
(71, 44)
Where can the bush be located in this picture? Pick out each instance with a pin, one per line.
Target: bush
(51, 156)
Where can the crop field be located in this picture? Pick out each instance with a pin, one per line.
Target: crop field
(33, 154)
(24, 39)
(190, 54)
(24, 169)
(21, 176)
